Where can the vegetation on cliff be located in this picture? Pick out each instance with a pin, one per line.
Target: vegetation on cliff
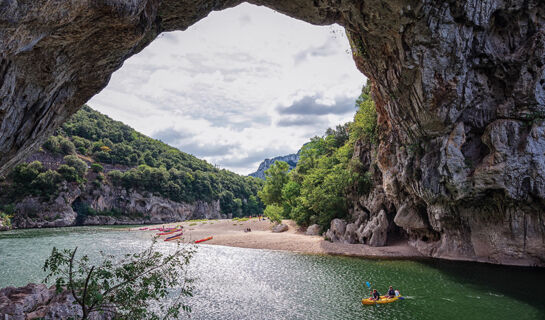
(92, 146)
(317, 191)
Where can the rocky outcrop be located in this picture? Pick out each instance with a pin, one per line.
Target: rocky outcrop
(37, 301)
(280, 228)
(36, 212)
(337, 231)
(143, 207)
(313, 230)
(290, 159)
(459, 87)
(107, 205)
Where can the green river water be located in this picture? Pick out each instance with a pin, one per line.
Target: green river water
(236, 283)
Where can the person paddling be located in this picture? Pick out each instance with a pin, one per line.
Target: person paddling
(376, 295)
(391, 292)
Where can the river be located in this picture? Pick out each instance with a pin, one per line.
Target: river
(236, 283)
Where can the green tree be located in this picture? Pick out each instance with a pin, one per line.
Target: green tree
(276, 178)
(274, 213)
(364, 125)
(126, 288)
(253, 206)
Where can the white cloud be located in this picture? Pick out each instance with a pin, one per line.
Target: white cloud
(220, 90)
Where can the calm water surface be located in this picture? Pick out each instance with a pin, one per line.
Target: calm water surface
(235, 283)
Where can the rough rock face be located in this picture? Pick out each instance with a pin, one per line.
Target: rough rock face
(290, 159)
(459, 86)
(137, 208)
(37, 301)
(34, 212)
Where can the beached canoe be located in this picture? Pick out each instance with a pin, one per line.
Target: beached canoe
(168, 232)
(203, 240)
(382, 300)
(174, 237)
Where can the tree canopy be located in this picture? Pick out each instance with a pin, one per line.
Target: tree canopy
(316, 191)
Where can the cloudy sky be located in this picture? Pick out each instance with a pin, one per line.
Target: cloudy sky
(239, 86)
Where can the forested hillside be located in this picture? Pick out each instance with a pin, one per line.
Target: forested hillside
(91, 148)
(318, 189)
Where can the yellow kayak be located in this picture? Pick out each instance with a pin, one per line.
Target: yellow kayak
(382, 300)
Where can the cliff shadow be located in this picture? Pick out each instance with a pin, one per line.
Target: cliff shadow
(515, 282)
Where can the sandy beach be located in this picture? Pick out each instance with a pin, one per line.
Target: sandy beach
(231, 233)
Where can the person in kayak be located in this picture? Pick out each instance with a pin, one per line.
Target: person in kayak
(376, 295)
(391, 292)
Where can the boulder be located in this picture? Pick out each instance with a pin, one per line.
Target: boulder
(35, 301)
(313, 230)
(280, 228)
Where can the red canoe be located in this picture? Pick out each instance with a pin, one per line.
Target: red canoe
(202, 240)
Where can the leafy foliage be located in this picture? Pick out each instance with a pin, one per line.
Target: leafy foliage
(277, 177)
(5, 218)
(317, 190)
(144, 285)
(274, 213)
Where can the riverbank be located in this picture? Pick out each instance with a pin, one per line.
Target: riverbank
(227, 232)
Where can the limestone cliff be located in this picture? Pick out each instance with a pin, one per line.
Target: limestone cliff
(290, 159)
(109, 205)
(459, 86)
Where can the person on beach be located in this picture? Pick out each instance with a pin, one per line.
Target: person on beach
(376, 295)
(391, 292)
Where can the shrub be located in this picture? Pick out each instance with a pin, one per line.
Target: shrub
(68, 173)
(67, 147)
(46, 183)
(78, 164)
(96, 167)
(52, 144)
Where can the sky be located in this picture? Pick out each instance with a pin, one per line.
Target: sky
(239, 86)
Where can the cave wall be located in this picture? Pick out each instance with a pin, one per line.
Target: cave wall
(459, 88)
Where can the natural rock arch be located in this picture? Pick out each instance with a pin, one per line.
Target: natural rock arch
(459, 86)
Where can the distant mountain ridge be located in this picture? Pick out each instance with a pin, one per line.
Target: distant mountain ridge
(290, 159)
